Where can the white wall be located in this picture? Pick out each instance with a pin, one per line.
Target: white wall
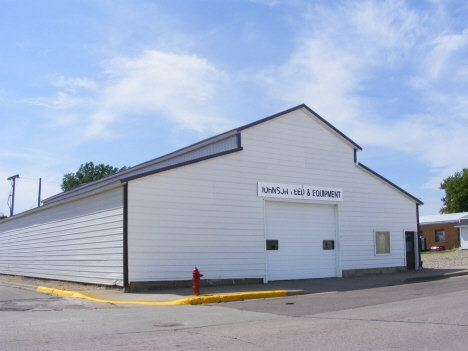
(208, 214)
(80, 241)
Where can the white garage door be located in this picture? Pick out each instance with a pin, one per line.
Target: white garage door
(300, 230)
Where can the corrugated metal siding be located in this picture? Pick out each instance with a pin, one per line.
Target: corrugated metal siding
(208, 214)
(80, 241)
(178, 219)
(215, 147)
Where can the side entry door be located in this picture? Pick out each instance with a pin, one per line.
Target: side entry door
(409, 250)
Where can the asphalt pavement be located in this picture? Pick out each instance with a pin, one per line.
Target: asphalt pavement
(420, 315)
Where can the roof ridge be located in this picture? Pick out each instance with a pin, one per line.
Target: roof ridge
(192, 147)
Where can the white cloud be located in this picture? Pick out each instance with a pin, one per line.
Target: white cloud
(73, 84)
(318, 74)
(62, 101)
(443, 47)
(337, 53)
(435, 141)
(383, 25)
(344, 51)
(149, 80)
(65, 100)
(270, 3)
(444, 59)
(180, 88)
(350, 47)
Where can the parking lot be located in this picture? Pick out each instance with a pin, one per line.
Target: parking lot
(445, 259)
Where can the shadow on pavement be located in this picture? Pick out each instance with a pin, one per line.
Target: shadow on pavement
(320, 285)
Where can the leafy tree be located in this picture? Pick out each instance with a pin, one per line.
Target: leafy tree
(456, 192)
(87, 173)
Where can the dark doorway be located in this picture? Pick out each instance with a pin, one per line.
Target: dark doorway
(410, 250)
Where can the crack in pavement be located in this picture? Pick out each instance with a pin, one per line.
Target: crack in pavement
(386, 321)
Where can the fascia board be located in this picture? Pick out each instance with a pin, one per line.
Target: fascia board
(120, 175)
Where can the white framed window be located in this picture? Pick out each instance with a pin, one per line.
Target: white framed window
(382, 242)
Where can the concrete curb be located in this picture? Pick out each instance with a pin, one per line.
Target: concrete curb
(192, 300)
(435, 277)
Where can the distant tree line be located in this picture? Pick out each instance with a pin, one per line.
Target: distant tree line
(88, 173)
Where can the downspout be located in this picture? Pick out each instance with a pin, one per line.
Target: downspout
(125, 237)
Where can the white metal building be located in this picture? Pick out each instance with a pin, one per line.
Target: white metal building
(280, 198)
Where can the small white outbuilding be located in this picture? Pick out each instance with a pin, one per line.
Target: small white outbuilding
(280, 198)
(463, 225)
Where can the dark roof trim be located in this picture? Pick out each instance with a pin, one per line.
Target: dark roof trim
(140, 165)
(392, 184)
(125, 236)
(294, 109)
(417, 235)
(141, 175)
(217, 137)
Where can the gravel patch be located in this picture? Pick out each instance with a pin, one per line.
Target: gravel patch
(445, 259)
(32, 283)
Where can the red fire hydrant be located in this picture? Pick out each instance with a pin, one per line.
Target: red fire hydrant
(196, 281)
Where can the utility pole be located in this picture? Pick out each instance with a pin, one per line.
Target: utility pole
(13, 178)
(39, 196)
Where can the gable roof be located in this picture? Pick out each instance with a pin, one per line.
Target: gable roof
(215, 146)
(321, 121)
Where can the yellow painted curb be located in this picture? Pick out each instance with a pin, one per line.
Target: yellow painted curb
(193, 300)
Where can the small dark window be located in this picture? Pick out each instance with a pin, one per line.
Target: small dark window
(272, 244)
(328, 244)
(440, 236)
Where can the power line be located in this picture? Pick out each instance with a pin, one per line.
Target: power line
(43, 181)
(11, 195)
(34, 205)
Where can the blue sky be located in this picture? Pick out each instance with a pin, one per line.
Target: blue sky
(123, 82)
